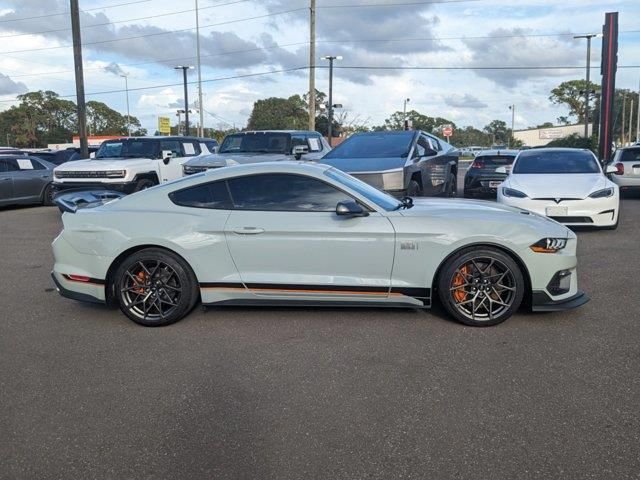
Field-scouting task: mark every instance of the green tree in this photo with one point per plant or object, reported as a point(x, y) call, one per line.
point(572, 94)
point(103, 120)
point(279, 114)
point(470, 136)
point(418, 121)
point(575, 141)
point(498, 130)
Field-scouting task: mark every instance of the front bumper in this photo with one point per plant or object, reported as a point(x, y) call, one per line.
point(124, 187)
point(588, 212)
point(541, 301)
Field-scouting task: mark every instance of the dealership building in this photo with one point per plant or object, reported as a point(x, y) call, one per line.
point(538, 137)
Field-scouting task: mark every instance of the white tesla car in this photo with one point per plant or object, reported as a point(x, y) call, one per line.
point(301, 233)
point(565, 184)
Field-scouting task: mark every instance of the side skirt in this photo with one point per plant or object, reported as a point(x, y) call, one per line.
point(259, 302)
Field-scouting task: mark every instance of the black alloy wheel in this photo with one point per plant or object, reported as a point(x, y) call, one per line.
point(155, 288)
point(414, 189)
point(481, 287)
point(144, 184)
point(47, 196)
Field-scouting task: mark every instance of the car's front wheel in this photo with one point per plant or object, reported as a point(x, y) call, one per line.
point(481, 286)
point(414, 189)
point(155, 287)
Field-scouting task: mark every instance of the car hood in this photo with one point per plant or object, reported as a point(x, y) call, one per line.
point(92, 165)
point(239, 158)
point(566, 185)
point(467, 211)
point(355, 165)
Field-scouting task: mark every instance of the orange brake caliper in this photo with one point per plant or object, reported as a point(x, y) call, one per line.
point(140, 278)
point(459, 294)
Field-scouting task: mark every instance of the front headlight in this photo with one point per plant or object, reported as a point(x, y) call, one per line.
point(116, 173)
point(510, 192)
point(604, 193)
point(549, 245)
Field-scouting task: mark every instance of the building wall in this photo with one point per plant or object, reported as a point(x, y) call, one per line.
point(538, 137)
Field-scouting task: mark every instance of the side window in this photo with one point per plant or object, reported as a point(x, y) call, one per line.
point(190, 149)
point(435, 144)
point(282, 192)
point(10, 165)
point(421, 147)
point(172, 145)
point(315, 145)
point(297, 140)
point(36, 164)
point(209, 195)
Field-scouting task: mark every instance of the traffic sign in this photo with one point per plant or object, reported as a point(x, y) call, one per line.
point(447, 130)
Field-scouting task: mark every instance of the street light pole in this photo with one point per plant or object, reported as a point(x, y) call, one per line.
point(513, 120)
point(587, 90)
point(126, 89)
point(330, 106)
point(186, 96)
point(79, 76)
point(404, 114)
point(200, 107)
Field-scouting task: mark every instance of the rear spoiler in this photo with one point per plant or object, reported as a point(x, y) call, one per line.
point(73, 201)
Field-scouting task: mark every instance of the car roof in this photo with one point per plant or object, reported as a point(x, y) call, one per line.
point(255, 132)
point(158, 137)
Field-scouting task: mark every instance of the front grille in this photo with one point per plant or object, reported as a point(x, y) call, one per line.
point(80, 174)
point(572, 219)
point(556, 200)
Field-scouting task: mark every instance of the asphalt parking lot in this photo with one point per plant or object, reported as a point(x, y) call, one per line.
point(297, 393)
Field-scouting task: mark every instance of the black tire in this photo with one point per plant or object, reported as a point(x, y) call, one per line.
point(414, 189)
point(154, 287)
point(143, 184)
point(47, 196)
point(452, 186)
point(481, 272)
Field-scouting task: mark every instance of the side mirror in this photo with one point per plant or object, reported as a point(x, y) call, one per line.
point(350, 208)
point(501, 170)
point(611, 169)
point(166, 156)
point(299, 150)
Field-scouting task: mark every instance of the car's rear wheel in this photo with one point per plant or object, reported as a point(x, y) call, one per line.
point(452, 186)
point(47, 196)
point(155, 287)
point(481, 286)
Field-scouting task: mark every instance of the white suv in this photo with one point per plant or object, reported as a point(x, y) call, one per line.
point(130, 164)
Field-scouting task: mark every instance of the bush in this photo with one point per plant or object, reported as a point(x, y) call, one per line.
point(576, 141)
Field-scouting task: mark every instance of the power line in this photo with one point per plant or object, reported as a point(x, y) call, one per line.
point(155, 34)
point(66, 12)
point(402, 4)
point(177, 12)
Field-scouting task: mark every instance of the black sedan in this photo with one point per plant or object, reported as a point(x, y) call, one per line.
point(481, 179)
point(25, 180)
point(412, 163)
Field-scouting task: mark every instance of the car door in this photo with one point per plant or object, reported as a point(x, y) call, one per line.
point(29, 179)
point(286, 240)
point(6, 182)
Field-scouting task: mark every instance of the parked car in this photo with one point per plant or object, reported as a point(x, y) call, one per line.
point(25, 180)
point(57, 157)
point(301, 233)
point(626, 162)
point(412, 163)
point(565, 184)
point(481, 179)
point(130, 164)
point(261, 146)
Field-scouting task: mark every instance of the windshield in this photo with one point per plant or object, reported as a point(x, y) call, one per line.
point(128, 149)
point(376, 196)
point(268, 142)
point(569, 161)
point(374, 145)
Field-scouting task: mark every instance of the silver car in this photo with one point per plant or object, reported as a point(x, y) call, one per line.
point(262, 146)
point(627, 164)
point(25, 180)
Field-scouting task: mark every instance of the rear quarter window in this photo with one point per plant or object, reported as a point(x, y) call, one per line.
point(209, 195)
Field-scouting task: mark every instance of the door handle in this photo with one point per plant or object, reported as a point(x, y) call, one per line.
point(248, 230)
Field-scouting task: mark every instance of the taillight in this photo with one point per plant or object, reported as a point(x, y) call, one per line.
point(477, 164)
point(78, 278)
point(620, 168)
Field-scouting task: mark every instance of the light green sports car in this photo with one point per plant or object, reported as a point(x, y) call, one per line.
point(308, 234)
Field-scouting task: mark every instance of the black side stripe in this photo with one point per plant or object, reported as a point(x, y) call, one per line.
point(408, 291)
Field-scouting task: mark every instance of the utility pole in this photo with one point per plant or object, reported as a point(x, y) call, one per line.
point(77, 61)
point(587, 90)
point(513, 119)
point(200, 107)
point(624, 115)
point(630, 120)
point(126, 89)
point(638, 117)
point(186, 96)
point(331, 58)
point(312, 65)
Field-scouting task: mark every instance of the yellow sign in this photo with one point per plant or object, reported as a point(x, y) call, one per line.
point(164, 125)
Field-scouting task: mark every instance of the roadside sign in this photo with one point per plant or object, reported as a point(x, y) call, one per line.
point(447, 130)
point(164, 125)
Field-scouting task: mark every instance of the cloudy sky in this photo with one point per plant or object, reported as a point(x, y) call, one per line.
point(434, 52)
